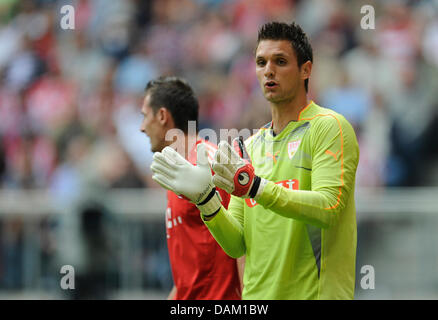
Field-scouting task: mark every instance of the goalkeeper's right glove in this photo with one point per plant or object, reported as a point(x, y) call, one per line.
point(234, 172)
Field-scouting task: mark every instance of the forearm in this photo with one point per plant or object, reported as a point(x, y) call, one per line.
point(318, 208)
point(228, 232)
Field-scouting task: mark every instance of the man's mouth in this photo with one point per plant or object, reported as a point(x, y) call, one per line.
point(271, 84)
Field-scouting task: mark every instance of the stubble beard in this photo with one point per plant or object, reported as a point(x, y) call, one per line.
point(280, 99)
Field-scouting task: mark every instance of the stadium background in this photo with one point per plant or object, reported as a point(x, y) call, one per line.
point(75, 186)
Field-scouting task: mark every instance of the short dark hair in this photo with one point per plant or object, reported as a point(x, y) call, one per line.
point(176, 95)
point(293, 33)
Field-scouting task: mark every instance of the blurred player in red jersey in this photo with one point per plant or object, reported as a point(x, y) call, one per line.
point(200, 268)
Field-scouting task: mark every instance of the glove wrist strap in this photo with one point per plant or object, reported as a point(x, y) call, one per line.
point(260, 188)
point(211, 205)
point(255, 187)
point(210, 195)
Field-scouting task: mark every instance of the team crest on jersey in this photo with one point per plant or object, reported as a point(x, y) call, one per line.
point(292, 147)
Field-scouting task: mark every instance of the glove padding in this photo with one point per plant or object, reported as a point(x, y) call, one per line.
point(233, 170)
point(176, 174)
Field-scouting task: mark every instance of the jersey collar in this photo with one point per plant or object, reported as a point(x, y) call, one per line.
point(304, 113)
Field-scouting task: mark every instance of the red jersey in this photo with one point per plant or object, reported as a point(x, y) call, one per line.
point(201, 269)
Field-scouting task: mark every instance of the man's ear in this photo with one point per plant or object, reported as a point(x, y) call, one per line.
point(163, 116)
point(306, 70)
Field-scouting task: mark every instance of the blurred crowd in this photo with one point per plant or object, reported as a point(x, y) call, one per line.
point(70, 99)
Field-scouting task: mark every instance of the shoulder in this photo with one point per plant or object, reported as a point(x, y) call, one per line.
point(327, 119)
point(328, 125)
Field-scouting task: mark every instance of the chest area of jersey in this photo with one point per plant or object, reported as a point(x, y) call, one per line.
point(284, 159)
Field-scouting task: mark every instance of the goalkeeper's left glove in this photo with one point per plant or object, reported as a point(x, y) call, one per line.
point(176, 174)
point(234, 172)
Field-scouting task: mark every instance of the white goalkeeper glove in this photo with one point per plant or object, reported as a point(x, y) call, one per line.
point(234, 172)
point(176, 174)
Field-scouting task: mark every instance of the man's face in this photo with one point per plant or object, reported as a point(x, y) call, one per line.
point(151, 126)
point(277, 70)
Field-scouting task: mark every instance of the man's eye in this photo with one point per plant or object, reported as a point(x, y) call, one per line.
point(260, 63)
point(281, 62)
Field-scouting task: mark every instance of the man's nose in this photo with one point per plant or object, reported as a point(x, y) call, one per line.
point(269, 70)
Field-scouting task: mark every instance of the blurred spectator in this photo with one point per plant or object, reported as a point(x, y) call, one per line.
point(67, 179)
point(2, 163)
point(92, 282)
point(117, 168)
point(135, 70)
point(398, 33)
point(23, 68)
point(430, 41)
point(11, 254)
point(350, 100)
point(413, 111)
point(82, 63)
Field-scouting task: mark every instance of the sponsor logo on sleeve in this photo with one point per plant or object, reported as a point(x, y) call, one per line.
point(289, 184)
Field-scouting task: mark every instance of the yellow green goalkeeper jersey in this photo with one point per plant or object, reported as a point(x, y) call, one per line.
point(299, 235)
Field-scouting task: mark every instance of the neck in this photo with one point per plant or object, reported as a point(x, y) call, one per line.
point(285, 112)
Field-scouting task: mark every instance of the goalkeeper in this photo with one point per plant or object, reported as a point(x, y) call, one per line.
point(292, 210)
